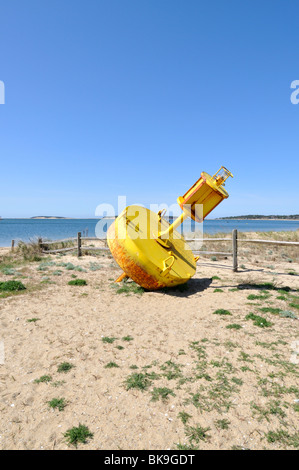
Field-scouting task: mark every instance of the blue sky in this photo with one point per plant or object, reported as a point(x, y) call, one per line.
point(137, 97)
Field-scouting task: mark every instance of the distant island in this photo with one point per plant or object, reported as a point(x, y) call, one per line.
point(48, 217)
point(262, 217)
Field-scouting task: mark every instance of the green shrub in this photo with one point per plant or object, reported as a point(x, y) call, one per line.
point(79, 434)
point(221, 311)
point(234, 326)
point(59, 403)
point(77, 282)
point(259, 321)
point(65, 367)
point(10, 286)
point(137, 380)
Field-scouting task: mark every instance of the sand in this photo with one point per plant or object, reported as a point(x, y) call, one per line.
point(213, 374)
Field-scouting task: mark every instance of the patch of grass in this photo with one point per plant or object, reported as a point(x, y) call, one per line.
point(283, 437)
point(65, 367)
point(230, 345)
point(111, 365)
point(43, 379)
point(107, 339)
point(57, 273)
point(216, 278)
point(138, 380)
point(33, 320)
point(257, 297)
point(8, 271)
point(171, 370)
point(234, 326)
point(180, 446)
point(199, 349)
point(218, 290)
point(184, 417)
point(30, 251)
point(95, 266)
point(161, 393)
point(282, 297)
point(222, 423)
point(58, 383)
point(221, 311)
point(197, 433)
point(288, 314)
point(130, 288)
point(127, 338)
point(274, 311)
point(77, 435)
point(237, 381)
point(274, 389)
point(71, 267)
point(258, 321)
point(272, 408)
point(11, 286)
point(77, 282)
point(59, 403)
point(244, 357)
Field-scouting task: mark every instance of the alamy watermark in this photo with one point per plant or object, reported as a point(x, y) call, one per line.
point(295, 95)
point(2, 93)
point(133, 218)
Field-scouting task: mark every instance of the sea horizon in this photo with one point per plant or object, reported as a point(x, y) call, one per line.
point(26, 229)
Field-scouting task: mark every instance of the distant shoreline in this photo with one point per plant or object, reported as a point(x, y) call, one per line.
point(49, 217)
point(238, 218)
point(258, 218)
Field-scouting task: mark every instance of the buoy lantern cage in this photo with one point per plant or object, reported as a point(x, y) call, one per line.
point(151, 251)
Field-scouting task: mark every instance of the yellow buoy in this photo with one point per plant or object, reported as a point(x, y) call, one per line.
point(149, 250)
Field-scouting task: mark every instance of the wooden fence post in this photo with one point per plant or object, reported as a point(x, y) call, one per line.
point(79, 244)
point(40, 242)
point(235, 249)
point(12, 245)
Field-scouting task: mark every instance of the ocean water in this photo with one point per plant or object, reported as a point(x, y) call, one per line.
point(55, 229)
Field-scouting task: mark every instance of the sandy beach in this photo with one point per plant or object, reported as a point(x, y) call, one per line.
point(150, 370)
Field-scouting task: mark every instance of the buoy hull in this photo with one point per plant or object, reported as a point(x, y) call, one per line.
point(132, 240)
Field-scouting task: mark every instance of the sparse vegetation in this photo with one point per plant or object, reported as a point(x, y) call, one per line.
point(107, 339)
point(137, 380)
point(221, 311)
point(77, 282)
point(214, 369)
point(77, 435)
point(58, 403)
point(129, 287)
point(111, 365)
point(234, 326)
point(11, 286)
point(258, 320)
point(43, 379)
point(65, 367)
point(161, 393)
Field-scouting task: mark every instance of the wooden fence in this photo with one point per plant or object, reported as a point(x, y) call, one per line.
point(233, 241)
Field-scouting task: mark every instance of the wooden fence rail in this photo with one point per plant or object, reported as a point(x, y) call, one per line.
point(233, 240)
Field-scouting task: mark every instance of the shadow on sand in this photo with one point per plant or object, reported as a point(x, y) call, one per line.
point(193, 286)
